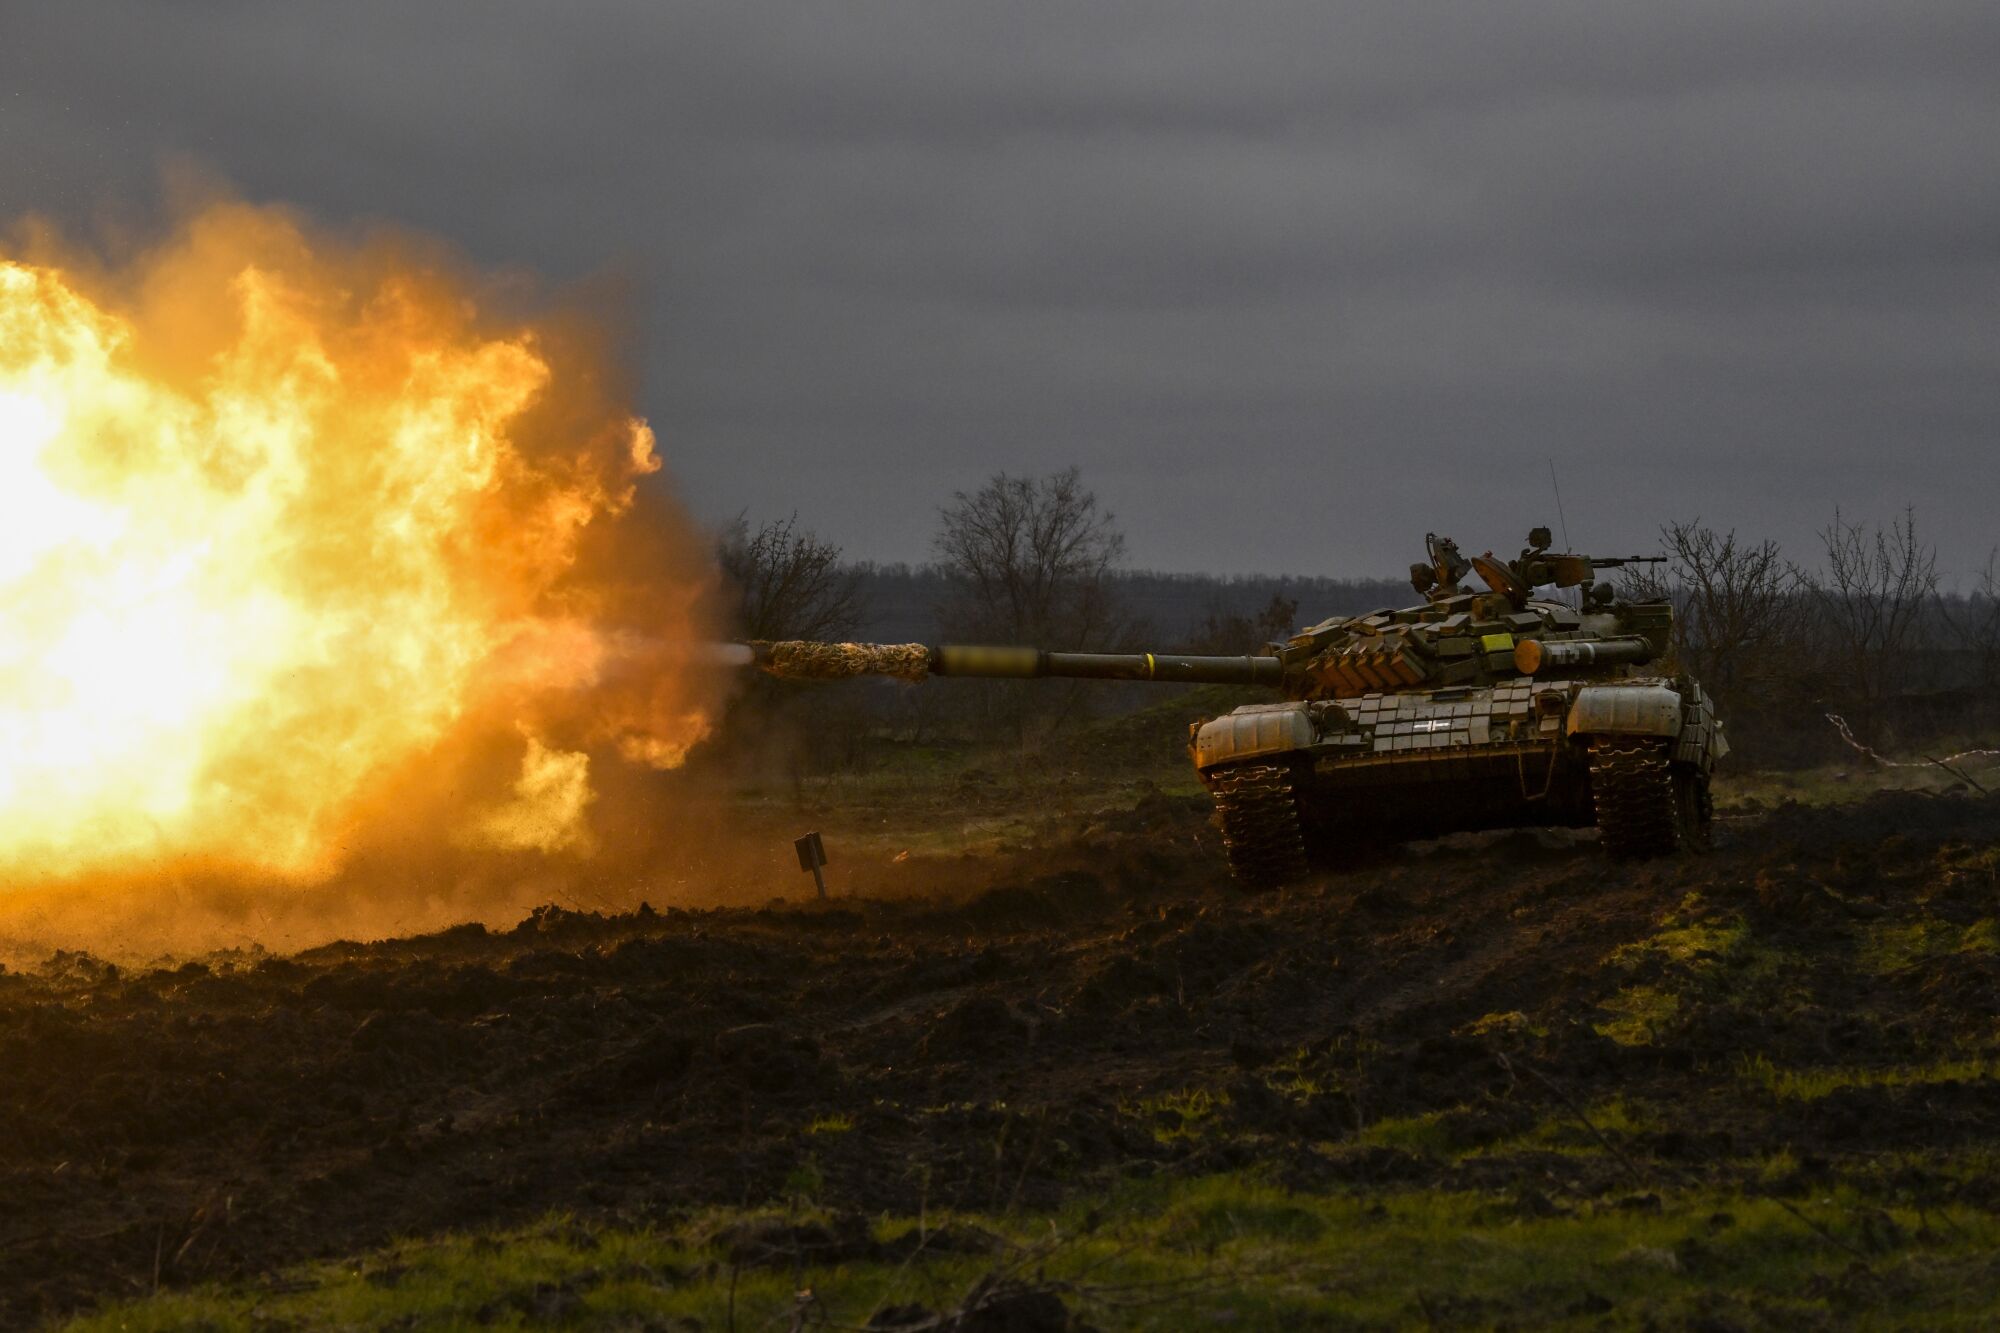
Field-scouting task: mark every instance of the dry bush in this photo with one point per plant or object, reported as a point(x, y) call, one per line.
point(1973, 623)
point(1874, 600)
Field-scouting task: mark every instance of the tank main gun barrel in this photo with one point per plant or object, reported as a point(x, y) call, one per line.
point(1536, 655)
point(1021, 663)
point(796, 659)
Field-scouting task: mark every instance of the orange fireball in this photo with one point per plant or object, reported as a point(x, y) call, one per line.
point(276, 519)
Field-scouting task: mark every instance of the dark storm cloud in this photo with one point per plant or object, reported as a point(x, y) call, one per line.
point(1293, 282)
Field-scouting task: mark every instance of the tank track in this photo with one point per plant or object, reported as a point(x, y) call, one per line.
point(1258, 809)
point(1632, 785)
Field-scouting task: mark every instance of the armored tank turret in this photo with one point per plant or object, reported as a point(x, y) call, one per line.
point(1501, 706)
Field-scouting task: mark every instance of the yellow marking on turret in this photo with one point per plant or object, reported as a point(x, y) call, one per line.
point(1149, 666)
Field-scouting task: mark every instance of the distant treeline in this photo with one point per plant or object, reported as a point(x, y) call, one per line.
point(1860, 630)
point(901, 603)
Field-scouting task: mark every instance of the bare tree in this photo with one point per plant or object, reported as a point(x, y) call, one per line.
point(1974, 622)
point(789, 584)
point(1879, 584)
point(1029, 559)
point(1741, 607)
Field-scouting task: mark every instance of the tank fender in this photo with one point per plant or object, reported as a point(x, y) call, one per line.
point(1250, 731)
point(1703, 740)
point(1625, 710)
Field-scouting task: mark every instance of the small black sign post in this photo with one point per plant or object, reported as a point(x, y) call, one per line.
point(812, 855)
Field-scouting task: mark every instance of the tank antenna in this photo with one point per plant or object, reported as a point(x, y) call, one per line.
point(1560, 519)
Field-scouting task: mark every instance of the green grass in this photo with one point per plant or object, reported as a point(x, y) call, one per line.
point(1814, 1083)
point(1697, 953)
point(1511, 1023)
point(1639, 1015)
point(1615, 1117)
point(1426, 1135)
point(1227, 1250)
point(1826, 784)
point(1434, 1133)
point(1887, 948)
point(954, 804)
point(1690, 938)
point(1186, 1113)
point(951, 800)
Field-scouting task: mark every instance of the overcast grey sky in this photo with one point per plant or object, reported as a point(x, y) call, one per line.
point(1293, 282)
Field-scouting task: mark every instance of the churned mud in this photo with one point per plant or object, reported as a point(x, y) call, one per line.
point(1814, 1002)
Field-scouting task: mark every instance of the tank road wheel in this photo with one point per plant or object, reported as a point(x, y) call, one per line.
point(1257, 806)
point(1632, 785)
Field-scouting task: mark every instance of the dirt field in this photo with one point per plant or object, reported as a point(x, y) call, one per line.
point(1812, 1006)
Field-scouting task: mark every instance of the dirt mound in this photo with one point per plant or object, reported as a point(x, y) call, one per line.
point(1818, 993)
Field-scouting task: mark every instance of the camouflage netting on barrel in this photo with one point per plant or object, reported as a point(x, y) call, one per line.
point(796, 659)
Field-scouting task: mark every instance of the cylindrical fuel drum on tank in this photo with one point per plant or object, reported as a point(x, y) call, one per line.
point(1533, 656)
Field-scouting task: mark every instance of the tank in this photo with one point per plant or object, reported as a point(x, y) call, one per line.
point(1536, 699)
